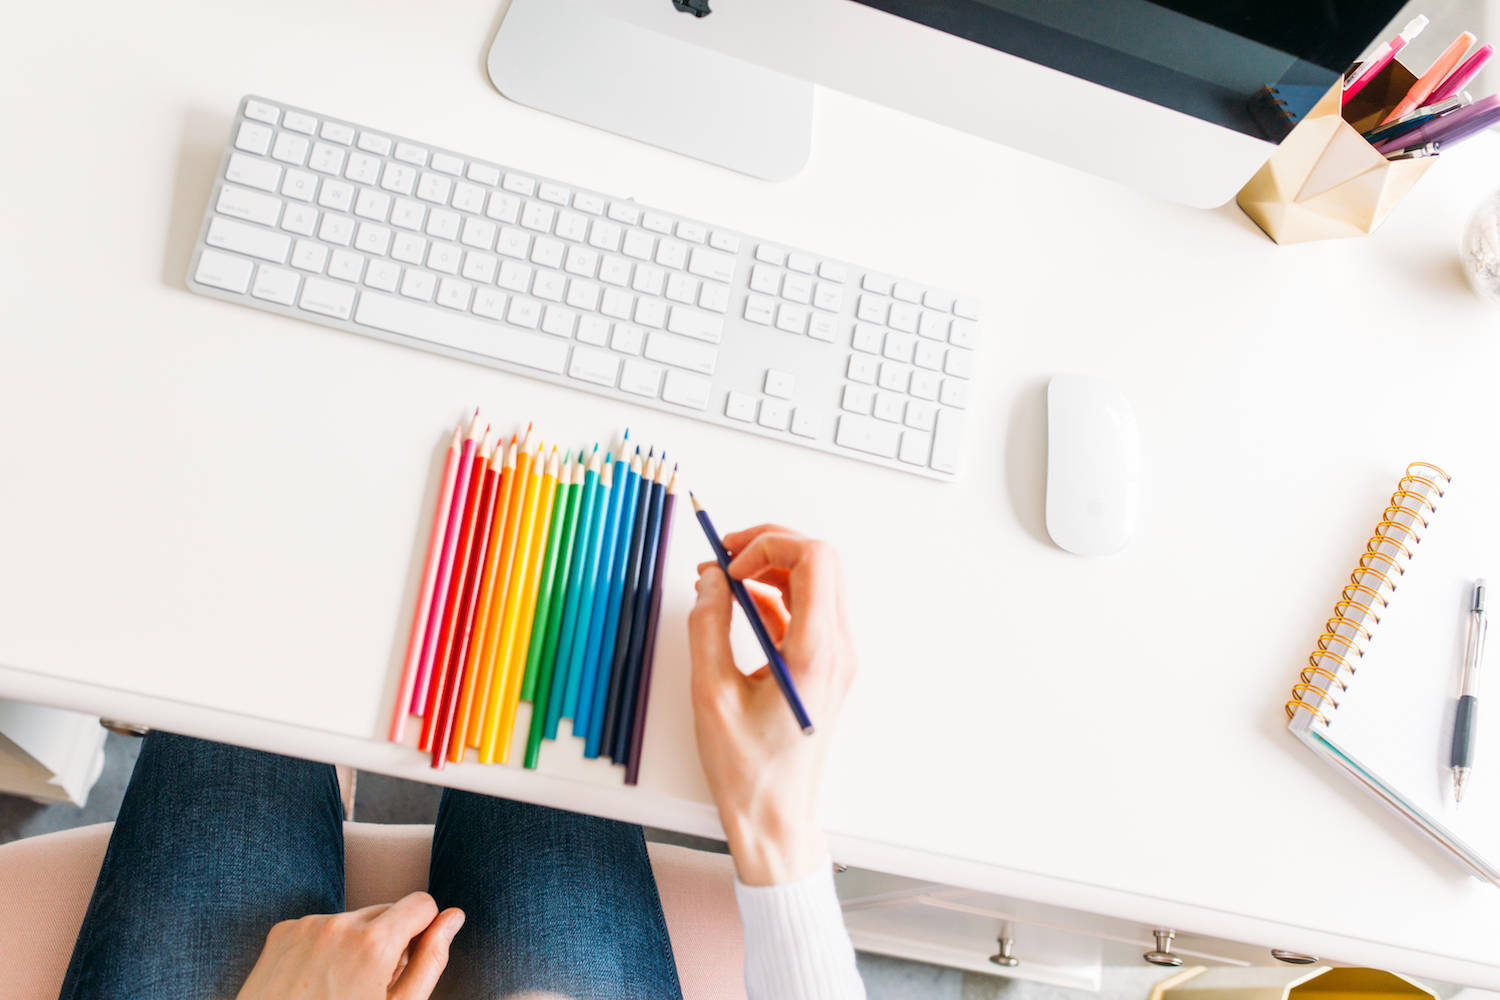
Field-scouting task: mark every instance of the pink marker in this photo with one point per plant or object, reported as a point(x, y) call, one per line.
point(1381, 57)
point(418, 637)
point(445, 566)
point(1460, 77)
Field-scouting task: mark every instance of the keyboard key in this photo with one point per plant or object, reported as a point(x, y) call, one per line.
point(468, 198)
point(345, 265)
point(616, 303)
point(336, 195)
point(383, 274)
point(833, 272)
point(549, 285)
point(797, 288)
point(915, 447)
point(398, 177)
point(638, 245)
point(444, 257)
point(946, 441)
point(456, 330)
point(519, 184)
point(373, 239)
point(535, 215)
point(624, 211)
point(582, 262)
point(894, 377)
point(524, 312)
point(547, 252)
point(513, 243)
point(407, 153)
point(572, 225)
point(593, 330)
point(262, 112)
point(792, 319)
point(275, 284)
point(559, 321)
point(252, 241)
point(627, 339)
point(962, 334)
point(775, 414)
point(657, 223)
point(941, 301)
point(643, 379)
point(692, 232)
point(760, 310)
point(766, 280)
point(801, 262)
point(617, 270)
point(598, 367)
point(222, 270)
point(298, 122)
point(872, 309)
point(372, 143)
point(904, 317)
point(408, 214)
point(698, 325)
point(714, 298)
point(434, 187)
point(326, 158)
point(670, 253)
point(584, 295)
point(828, 297)
point(889, 406)
point(590, 203)
point(479, 267)
point(651, 312)
point(408, 249)
point(739, 406)
point(870, 436)
point(513, 276)
point(967, 308)
point(687, 390)
point(907, 292)
point(254, 173)
point(924, 385)
point(900, 346)
point(483, 173)
point(605, 235)
point(334, 132)
point(868, 338)
point(858, 398)
point(960, 364)
point(804, 424)
point(290, 148)
point(933, 326)
point(920, 415)
point(862, 368)
point(448, 163)
point(299, 184)
point(443, 224)
point(326, 298)
point(779, 384)
point(713, 266)
point(253, 137)
point(479, 234)
point(555, 193)
point(954, 393)
point(770, 255)
point(682, 288)
point(875, 283)
point(336, 229)
point(728, 242)
point(503, 207)
point(680, 353)
point(418, 285)
point(251, 206)
point(930, 355)
point(822, 327)
point(490, 303)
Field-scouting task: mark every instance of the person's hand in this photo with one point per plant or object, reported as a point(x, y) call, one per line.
point(765, 775)
point(393, 951)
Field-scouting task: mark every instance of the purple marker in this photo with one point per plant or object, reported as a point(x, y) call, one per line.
point(1448, 129)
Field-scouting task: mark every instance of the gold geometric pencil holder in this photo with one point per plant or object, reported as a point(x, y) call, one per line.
point(1325, 181)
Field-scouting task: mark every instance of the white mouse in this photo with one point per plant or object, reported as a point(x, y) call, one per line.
point(1093, 466)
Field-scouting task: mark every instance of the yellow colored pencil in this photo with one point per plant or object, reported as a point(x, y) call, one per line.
point(473, 684)
point(520, 636)
point(502, 548)
point(529, 465)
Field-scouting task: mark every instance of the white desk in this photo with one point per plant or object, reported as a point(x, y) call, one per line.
point(210, 518)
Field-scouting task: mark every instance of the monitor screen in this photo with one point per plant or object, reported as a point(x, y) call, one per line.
point(1206, 58)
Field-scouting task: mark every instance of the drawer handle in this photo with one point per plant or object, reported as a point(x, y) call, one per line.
point(1162, 955)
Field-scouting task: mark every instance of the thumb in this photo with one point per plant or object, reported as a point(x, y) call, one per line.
point(708, 629)
point(429, 957)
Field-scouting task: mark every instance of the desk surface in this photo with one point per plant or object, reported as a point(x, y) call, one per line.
point(210, 517)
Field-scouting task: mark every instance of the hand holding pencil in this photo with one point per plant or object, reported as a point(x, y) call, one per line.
point(764, 773)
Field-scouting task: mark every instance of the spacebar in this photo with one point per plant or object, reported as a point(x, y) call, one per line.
point(452, 329)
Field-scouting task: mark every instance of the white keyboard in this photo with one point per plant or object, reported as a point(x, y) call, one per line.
point(321, 219)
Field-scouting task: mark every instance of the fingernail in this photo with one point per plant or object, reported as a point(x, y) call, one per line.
point(457, 923)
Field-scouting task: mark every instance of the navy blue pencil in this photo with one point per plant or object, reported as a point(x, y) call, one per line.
point(648, 583)
point(773, 655)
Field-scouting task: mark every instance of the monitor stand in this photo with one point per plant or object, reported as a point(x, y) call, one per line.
point(559, 56)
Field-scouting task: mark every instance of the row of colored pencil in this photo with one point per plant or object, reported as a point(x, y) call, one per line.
point(542, 584)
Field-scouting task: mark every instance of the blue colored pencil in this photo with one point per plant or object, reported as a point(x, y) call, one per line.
point(628, 602)
point(587, 584)
point(773, 655)
point(601, 597)
point(616, 598)
point(562, 678)
point(630, 682)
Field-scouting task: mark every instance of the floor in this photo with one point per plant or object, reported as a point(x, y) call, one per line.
point(380, 799)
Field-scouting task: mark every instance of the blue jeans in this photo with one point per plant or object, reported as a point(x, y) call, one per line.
point(214, 844)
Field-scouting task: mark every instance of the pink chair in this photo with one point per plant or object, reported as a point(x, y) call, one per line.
point(45, 884)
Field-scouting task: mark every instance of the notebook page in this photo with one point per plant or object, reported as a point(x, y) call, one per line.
point(1396, 719)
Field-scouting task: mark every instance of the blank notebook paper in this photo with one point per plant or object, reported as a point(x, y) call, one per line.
point(1378, 694)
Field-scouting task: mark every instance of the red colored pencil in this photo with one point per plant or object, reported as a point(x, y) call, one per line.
point(424, 597)
point(419, 694)
point(444, 656)
point(453, 686)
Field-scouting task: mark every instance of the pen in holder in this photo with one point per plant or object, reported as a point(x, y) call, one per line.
point(1325, 181)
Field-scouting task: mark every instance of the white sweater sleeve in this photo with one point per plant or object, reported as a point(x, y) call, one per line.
point(796, 946)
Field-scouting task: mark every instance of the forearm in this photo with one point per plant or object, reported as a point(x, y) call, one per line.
point(796, 945)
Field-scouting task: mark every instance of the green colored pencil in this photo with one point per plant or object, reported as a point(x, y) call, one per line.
point(547, 667)
point(576, 603)
point(544, 584)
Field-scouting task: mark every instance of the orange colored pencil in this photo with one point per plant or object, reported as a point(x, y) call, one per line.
point(473, 683)
point(519, 640)
point(504, 570)
point(528, 491)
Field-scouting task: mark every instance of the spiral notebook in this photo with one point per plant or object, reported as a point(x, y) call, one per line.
point(1378, 694)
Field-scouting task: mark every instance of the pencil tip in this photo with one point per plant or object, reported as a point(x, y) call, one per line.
point(596, 446)
point(627, 434)
point(651, 451)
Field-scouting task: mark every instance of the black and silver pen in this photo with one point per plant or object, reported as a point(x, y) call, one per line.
point(1467, 716)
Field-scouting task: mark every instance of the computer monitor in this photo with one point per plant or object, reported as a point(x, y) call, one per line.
point(1155, 95)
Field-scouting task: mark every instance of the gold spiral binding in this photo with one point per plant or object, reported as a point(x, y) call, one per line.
point(1380, 567)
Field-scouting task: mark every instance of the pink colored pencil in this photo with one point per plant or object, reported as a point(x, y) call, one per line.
point(445, 567)
point(424, 598)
